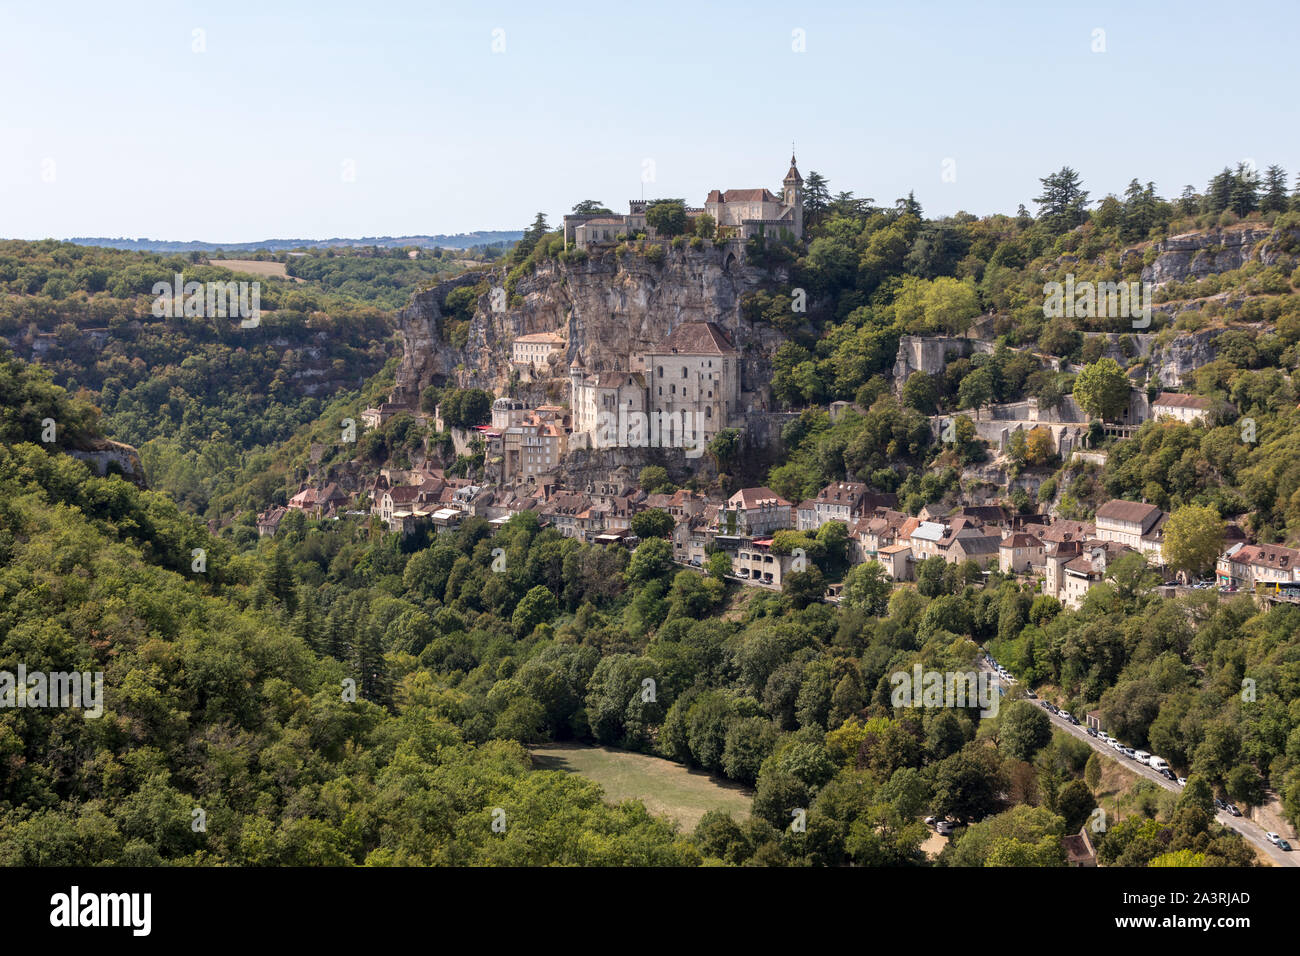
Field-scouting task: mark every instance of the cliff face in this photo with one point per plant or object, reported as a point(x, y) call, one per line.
point(606, 308)
point(1196, 255)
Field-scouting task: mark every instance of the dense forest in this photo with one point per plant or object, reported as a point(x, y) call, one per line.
point(227, 692)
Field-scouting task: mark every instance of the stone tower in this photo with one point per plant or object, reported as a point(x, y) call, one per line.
point(793, 188)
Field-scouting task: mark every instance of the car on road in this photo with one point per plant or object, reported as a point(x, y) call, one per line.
point(943, 828)
point(1141, 756)
point(1220, 804)
point(1129, 752)
point(1272, 837)
point(1232, 808)
point(1092, 732)
point(1031, 695)
point(1181, 781)
point(1071, 718)
point(931, 821)
point(1168, 774)
point(1283, 845)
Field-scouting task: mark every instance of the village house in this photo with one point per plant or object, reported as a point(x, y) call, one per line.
point(756, 563)
point(755, 512)
point(268, 522)
point(529, 353)
point(1243, 566)
point(1184, 408)
point(1137, 525)
point(897, 561)
point(1020, 553)
point(1085, 570)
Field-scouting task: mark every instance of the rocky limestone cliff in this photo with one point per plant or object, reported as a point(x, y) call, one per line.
point(112, 457)
point(1199, 254)
point(606, 307)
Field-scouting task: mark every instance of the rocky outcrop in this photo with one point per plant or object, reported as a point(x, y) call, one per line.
point(112, 457)
point(1199, 254)
point(607, 307)
point(1182, 355)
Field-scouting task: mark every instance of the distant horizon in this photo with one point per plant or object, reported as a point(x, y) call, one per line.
point(334, 120)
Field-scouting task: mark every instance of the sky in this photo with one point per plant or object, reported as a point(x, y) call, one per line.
point(237, 121)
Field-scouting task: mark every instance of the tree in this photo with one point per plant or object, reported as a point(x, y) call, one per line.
point(1023, 730)
point(976, 389)
point(653, 479)
point(816, 197)
point(1244, 197)
point(591, 207)
point(866, 587)
point(706, 227)
point(1075, 802)
point(1102, 389)
point(803, 587)
point(667, 217)
point(652, 523)
point(717, 565)
point(538, 606)
point(652, 559)
point(1274, 198)
point(920, 392)
point(1194, 536)
point(1063, 204)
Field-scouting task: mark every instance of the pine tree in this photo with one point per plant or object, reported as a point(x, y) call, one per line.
point(1245, 190)
point(304, 624)
point(279, 579)
point(373, 681)
point(1219, 194)
point(816, 197)
point(1275, 197)
point(1064, 201)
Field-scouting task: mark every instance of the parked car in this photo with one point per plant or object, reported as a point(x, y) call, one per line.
point(930, 821)
point(1031, 695)
point(1283, 845)
point(1141, 756)
point(1232, 808)
point(1273, 838)
point(1092, 731)
point(1159, 764)
point(1181, 781)
point(1220, 804)
point(1072, 719)
point(943, 828)
point(1168, 774)
point(1129, 752)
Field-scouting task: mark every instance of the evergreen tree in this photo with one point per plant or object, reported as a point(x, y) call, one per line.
point(373, 681)
point(279, 579)
point(1274, 198)
point(1219, 195)
point(1063, 202)
point(1245, 190)
point(816, 197)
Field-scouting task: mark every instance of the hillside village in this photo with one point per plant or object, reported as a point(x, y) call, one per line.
point(669, 401)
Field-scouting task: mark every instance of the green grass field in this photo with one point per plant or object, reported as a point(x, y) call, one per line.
point(666, 788)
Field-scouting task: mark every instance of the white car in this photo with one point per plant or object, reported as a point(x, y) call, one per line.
point(943, 828)
point(1141, 756)
point(1273, 838)
point(1182, 781)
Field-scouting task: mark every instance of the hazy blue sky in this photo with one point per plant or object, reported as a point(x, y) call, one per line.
point(112, 125)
